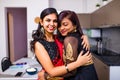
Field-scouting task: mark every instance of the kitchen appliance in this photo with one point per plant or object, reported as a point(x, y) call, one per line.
point(94, 33)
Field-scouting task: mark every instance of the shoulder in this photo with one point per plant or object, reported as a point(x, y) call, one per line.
point(38, 45)
point(70, 39)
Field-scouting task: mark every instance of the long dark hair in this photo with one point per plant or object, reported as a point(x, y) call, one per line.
point(72, 16)
point(38, 34)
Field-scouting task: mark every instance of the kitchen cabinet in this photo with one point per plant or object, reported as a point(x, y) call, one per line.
point(101, 69)
point(90, 6)
point(106, 16)
point(107, 67)
point(99, 18)
point(113, 11)
point(85, 20)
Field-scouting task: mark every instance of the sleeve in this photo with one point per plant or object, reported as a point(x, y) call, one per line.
point(70, 52)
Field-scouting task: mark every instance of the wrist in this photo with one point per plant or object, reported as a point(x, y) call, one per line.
point(46, 76)
point(77, 64)
point(66, 67)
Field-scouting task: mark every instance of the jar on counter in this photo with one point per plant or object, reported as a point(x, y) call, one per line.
point(99, 47)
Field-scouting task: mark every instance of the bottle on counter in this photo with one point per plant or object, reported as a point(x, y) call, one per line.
point(99, 47)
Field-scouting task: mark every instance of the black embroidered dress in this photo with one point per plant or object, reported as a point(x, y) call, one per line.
point(86, 72)
point(53, 52)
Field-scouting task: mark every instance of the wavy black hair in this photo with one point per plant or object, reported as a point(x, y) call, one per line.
point(38, 34)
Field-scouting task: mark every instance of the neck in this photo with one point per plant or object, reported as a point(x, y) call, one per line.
point(49, 37)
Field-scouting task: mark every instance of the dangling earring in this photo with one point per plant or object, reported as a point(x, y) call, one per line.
point(42, 29)
point(75, 30)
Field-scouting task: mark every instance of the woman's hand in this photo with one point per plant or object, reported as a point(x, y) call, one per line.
point(84, 59)
point(41, 75)
point(44, 76)
point(85, 42)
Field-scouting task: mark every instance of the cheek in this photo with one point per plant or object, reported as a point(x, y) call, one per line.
point(56, 25)
point(58, 29)
point(71, 28)
point(44, 25)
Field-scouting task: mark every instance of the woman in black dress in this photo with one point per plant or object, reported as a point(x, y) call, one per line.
point(70, 32)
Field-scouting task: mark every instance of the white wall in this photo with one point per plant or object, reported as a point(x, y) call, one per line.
point(79, 6)
point(34, 7)
point(76, 5)
point(91, 6)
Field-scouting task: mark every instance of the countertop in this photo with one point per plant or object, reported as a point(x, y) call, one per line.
point(10, 73)
point(108, 57)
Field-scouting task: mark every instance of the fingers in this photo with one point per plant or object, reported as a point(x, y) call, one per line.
point(81, 53)
point(43, 70)
point(84, 59)
point(90, 57)
point(83, 36)
point(87, 53)
point(85, 42)
point(41, 75)
point(85, 45)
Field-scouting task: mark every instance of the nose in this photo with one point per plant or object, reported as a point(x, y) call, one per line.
point(51, 23)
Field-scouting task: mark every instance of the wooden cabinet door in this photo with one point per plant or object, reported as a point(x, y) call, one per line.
point(101, 69)
point(85, 20)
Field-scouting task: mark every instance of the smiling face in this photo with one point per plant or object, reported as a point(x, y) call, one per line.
point(49, 23)
point(66, 27)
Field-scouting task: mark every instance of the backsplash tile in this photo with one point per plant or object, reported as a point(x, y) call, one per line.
point(111, 39)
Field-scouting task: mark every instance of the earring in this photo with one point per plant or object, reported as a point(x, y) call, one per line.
point(42, 29)
point(75, 30)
